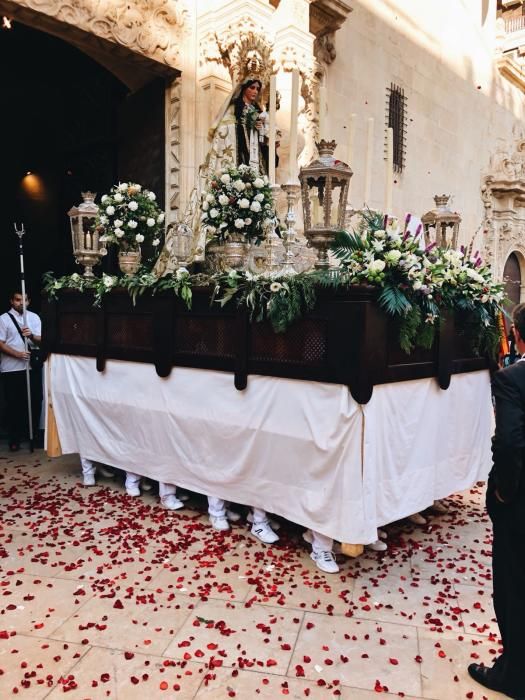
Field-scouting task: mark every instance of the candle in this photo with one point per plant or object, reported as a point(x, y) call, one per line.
point(271, 129)
point(389, 174)
point(368, 160)
point(351, 131)
point(294, 108)
point(88, 241)
point(322, 112)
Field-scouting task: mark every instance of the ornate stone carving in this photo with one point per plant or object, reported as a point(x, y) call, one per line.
point(503, 196)
point(326, 17)
point(152, 28)
point(173, 151)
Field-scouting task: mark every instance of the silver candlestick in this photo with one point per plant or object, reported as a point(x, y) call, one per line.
point(292, 194)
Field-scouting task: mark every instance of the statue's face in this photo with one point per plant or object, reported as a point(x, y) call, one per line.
point(251, 93)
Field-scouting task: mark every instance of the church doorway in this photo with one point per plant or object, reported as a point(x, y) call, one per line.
point(512, 277)
point(68, 125)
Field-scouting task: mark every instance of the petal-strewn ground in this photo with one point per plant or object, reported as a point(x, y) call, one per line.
point(106, 596)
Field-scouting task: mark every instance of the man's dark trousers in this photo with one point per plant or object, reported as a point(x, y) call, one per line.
point(508, 570)
point(15, 393)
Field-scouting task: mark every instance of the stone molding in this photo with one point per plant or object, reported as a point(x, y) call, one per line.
point(173, 165)
point(151, 28)
point(326, 17)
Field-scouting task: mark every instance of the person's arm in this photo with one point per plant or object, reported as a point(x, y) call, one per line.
point(8, 350)
point(508, 443)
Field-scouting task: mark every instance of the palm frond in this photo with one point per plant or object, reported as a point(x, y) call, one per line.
point(393, 301)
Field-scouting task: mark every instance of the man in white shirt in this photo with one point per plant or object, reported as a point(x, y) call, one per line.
point(13, 363)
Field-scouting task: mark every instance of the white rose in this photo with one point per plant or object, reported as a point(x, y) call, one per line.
point(255, 206)
point(258, 182)
point(210, 198)
point(103, 219)
point(378, 246)
point(155, 242)
point(110, 210)
point(132, 224)
point(244, 203)
point(265, 179)
point(151, 196)
point(133, 206)
point(225, 179)
point(380, 233)
point(239, 185)
point(119, 232)
point(239, 223)
point(259, 197)
point(275, 286)
point(417, 285)
point(181, 272)
point(247, 221)
point(108, 280)
point(103, 251)
point(104, 198)
point(205, 206)
point(160, 217)
point(393, 256)
point(136, 187)
point(139, 238)
point(150, 222)
point(484, 298)
point(214, 213)
point(118, 223)
point(223, 200)
point(118, 197)
point(377, 266)
point(123, 186)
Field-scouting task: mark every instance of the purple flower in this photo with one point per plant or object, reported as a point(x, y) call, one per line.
point(418, 230)
point(429, 247)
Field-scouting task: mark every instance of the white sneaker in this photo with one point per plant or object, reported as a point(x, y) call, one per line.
point(233, 516)
point(133, 491)
point(325, 561)
point(264, 532)
point(146, 485)
point(382, 534)
point(439, 507)
point(417, 519)
point(105, 471)
point(183, 496)
point(273, 523)
point(219, 522)
point(377, 546)
point(89, 480)
point(171, 502)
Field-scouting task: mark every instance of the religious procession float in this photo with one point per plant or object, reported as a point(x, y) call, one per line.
point(337, 375)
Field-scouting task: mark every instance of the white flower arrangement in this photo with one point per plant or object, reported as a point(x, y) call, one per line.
point(130, 216)
point(238, 202)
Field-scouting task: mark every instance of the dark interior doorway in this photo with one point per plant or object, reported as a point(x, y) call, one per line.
point(512, 278)
point(68, 124)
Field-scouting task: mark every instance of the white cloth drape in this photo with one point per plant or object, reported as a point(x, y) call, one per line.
point(304, 450)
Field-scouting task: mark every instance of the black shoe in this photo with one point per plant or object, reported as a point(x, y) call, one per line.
point(14, 446)
point(489, 678)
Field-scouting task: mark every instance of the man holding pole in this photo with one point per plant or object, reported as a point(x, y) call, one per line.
point(14, 363)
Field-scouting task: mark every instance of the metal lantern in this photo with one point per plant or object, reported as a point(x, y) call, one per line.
point(441, 225)
point(87, 248)
point(324, 187)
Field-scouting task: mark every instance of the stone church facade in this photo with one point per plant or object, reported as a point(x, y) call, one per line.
point(458, 67)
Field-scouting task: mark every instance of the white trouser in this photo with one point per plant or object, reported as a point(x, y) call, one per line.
point(217, 508)
point(88, 468)
point(167, 489)
point(132, 480)
point(321, 543)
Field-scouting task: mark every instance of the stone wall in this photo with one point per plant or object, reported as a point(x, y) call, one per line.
point(460, 108)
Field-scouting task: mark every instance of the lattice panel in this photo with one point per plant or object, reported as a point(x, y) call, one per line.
point(304, 343)
point(129, 332)
point(206, 336)
point(77, 328)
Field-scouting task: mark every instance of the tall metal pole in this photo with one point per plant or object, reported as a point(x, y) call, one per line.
point(20, 233)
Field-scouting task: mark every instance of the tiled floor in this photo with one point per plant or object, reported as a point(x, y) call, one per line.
point(105, 596)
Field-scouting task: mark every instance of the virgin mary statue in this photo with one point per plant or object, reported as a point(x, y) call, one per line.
point(239, 135)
